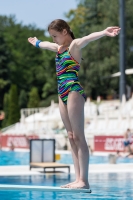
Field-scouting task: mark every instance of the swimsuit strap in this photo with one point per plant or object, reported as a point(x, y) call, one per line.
point(67, 49)
point(59, 49)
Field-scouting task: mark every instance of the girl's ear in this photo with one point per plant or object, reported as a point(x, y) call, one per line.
point(64, 32)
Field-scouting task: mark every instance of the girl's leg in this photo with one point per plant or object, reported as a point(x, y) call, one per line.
point(66, 121)
point(75, 107)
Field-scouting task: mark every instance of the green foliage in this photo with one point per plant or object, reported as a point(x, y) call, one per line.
point(23, 64)
point(129, 39)
point(50, 86)
point(14, 112)
point(33, 98)
point(47, 102)
point(6, 110)
point(23, 99)
point(3, 83)
point(101, 57)
point(4, 71)
point(76, 19)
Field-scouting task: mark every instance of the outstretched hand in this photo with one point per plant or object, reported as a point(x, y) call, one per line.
point(32, 40)
point(112, 31)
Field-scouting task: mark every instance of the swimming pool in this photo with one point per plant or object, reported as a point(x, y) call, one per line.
point(107, 186)
point(22, 158)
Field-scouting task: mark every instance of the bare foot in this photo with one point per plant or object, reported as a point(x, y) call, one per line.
point(69, 184)
point(81, 185)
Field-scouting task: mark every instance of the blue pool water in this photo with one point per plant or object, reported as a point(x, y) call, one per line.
point(111, 186)
point(22, 158)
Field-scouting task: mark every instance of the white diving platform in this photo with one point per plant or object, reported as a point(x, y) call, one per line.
point(42, 188)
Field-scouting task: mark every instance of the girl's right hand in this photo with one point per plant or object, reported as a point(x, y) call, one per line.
point(32, 40)
point(112, 31)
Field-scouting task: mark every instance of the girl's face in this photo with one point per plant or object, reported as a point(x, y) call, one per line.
point(58, 37)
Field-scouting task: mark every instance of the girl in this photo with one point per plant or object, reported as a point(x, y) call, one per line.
point(71, 94)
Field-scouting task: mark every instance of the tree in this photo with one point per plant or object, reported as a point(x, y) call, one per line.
point(27, 66)
point(33, 98)
point(23, 99)
point(129, 40)
point(101, 57)
point(4, 71)
point(6, 110)
point(76, 17)
point(14, 111)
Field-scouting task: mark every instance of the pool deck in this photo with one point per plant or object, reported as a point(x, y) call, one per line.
point(93, 168)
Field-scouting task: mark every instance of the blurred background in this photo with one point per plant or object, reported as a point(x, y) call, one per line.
point(28, 87)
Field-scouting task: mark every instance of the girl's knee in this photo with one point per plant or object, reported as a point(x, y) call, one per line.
point(78, 139)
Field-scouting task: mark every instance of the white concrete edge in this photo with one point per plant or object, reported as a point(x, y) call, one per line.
point(99, 168)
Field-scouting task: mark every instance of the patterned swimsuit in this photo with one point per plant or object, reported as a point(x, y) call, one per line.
point(67, 75)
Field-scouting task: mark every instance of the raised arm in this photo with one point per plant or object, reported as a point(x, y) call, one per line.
point(110, 31)
point(44, 45)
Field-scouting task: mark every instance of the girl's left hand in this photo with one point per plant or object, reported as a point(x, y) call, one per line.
point(32, 40)
point(112, 31)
